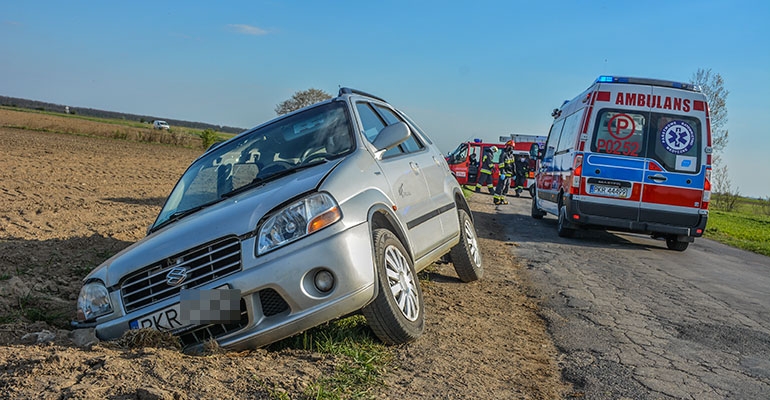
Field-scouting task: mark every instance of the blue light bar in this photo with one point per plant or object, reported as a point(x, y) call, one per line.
point(476, 140)
point(647, 81)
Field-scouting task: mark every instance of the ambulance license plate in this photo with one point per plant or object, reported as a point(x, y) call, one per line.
point(609, 191)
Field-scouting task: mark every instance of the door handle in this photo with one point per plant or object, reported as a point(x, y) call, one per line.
point(415, 167)
point(658, 178)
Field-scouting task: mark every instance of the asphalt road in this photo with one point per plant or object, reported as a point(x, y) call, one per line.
point(638, 321)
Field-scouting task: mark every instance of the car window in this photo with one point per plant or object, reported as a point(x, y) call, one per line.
point(570, 132)
point(459, 155)
point(411, 144)
point(371, 122)
point(553, 139)
point(674, 142)
point(415, 127)
point(620, 132)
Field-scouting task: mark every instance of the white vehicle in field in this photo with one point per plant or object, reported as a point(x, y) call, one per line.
point(157, 124)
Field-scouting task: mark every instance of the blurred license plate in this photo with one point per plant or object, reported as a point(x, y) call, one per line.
point(610, 191)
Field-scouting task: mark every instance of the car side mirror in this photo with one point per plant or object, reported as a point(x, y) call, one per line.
point(391, 136)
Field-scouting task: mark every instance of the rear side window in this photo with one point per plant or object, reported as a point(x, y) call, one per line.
point(570, 132)
point(672, 140)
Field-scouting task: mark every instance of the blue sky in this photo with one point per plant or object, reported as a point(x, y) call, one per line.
point(460, 69)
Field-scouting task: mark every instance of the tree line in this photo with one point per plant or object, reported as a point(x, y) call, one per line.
point(90, 112)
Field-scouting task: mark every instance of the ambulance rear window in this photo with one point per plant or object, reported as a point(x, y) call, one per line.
point(676, 143)
point(672, 140)
point(620, 132)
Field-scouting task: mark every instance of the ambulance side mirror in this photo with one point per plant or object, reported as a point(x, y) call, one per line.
point(535, 152)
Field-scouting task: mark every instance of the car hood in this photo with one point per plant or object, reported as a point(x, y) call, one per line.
point(235, 216)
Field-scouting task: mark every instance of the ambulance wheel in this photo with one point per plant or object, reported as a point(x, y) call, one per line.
point(531, 190)
point(466, 255)
point(536, 212)
point(563, 227)
point(397, 314)
point(673, 244)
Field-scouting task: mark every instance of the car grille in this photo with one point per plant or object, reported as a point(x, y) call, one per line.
point(204, 264)
point(272, 302)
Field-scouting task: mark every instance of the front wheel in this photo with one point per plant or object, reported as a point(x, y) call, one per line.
point(397, 314)
point(466, 255)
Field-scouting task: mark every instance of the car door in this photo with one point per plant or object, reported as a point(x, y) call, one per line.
point(409, 189)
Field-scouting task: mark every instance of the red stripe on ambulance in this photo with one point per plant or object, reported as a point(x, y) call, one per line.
point(671, 196)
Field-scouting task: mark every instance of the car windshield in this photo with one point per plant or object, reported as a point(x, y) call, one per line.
point(266, 153)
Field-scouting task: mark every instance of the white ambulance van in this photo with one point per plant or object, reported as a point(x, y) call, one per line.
point(629, 154)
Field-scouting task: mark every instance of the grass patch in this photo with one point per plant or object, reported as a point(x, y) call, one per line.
point(364, 358)
point(747, 231)
point(33, 308)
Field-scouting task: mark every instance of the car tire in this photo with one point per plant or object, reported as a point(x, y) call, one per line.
point(563, 227)
point(536, 212)
point(397, 314)
point(673, 244)
point(466, 255)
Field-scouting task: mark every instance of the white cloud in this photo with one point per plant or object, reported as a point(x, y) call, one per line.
point(247, 29)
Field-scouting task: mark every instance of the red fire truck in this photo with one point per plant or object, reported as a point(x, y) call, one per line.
point(464, 160)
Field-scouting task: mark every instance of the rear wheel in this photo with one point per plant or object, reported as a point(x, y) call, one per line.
point(397, 313)
point(466, 255)
point(673, 244)
point(564, 228)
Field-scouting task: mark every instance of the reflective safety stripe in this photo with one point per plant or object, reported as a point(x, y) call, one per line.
point(485, 171)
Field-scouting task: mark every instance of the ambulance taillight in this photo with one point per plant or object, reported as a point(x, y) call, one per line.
point(577, 172)
point(706, 191)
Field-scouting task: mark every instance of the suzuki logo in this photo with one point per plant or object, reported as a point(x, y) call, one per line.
point(176, 276)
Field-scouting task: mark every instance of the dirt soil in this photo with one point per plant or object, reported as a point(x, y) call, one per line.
point(68, 202)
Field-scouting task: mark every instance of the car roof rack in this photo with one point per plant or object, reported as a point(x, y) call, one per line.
point(347, 90)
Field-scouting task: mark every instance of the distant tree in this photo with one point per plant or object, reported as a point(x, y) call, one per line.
point(300, 99)
point(713, 87)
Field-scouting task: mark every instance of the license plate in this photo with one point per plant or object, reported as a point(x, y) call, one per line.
point(196, 307)
point(609, 191)
point(167, 319)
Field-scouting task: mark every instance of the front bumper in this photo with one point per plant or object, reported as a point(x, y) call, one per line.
point(278, 296)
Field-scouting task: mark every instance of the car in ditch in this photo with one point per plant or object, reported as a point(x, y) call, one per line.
point(324, 212)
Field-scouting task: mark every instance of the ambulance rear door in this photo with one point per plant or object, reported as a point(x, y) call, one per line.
point(675, 167)
point(613, 169)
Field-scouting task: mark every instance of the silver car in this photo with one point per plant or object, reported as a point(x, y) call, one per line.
point(317, 214)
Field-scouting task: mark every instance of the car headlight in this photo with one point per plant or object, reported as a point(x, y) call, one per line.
point(298, 220)
point(94, 301)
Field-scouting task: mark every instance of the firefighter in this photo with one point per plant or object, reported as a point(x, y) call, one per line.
point(522, 169)
point(506, 170)
point(485, 169)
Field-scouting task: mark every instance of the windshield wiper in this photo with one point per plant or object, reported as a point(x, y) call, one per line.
point(176, 216)
point(261, 181)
